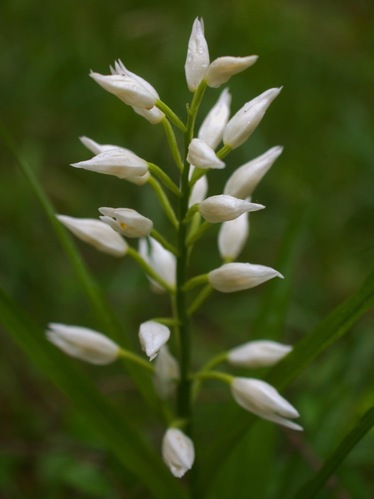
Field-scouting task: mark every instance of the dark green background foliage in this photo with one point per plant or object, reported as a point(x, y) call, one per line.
point(317, 228)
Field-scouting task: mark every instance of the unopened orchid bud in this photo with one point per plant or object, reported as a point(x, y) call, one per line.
point(245, 121)
point(238, 276)
point(211, 130)
point(260, 353)
point(161, 260)
point(121, 163)
point(223, 207)
point(153, 115)
point(221, 69)
point(127, 222)
point(83, 343)
point(232, 237)
point(198, 191)
point(197, 61)
point(202, 156)
point(152, 336)
point(245, 179)
point(129, 90)
point(166, 373)
point(96, 233)
point(262, 399)
point(178, 452)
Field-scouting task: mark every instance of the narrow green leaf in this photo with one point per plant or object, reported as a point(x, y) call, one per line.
point(331, 329)
point(313, 486)
point(110, 325)
point(116, 430)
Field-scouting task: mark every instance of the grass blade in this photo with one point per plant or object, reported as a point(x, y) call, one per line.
point(313, 486)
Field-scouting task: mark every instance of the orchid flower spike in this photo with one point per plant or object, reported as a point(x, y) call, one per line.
point(96, 233)
point(197, 61)
point(262, 399)
point(236, 276)
point(83, 343)
point(178, 452)
point(126, 221)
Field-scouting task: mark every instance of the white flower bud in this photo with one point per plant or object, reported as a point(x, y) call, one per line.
point(83, 343)
point(221, 69)
point(245, 179)
point(223, 207)
point(202, 156)
point(260, 353)
point(152, 336)
point(166, 373)
point(245, 121)
point(128, 89)
point(126, 221)
point(178, 452)
point(161, 260)
point(153, 115)
point(96, 233)
point(198, 191)
point(262, 399)
point(121, 163)
point(237, 276)
point(233, 236)
point(97, 148)
point(197, 61)
point(211, 130)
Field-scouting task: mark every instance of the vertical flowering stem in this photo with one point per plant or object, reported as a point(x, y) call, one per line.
point(184, 390)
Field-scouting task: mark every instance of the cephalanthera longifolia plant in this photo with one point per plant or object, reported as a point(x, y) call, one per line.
point(167, 341)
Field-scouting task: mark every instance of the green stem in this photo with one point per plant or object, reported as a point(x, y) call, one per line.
point(199, 300)
point(170, 135)
point(170, 115)
point(195, 281)
point(156, 235)
point(214, 362)
point(165, 203)
point(219, 376)
point(149, 270)
point(166, 321)
point(136, 359)
point(165, 179)
point(224, 151)
point(184, 386)
point(195, 236)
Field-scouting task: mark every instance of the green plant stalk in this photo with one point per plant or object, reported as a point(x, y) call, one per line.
point(156, 235)
point(172, 141)
point(170, 115)
point(184, 387)
point(165, 203)
point(165, 179)
point(136, 359)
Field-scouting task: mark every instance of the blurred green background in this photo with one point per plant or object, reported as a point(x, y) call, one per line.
point(320, 191)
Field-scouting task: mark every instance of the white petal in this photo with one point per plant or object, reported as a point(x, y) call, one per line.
point(211, 130)
point(233, 236)
point(166, 373)
point(222, 208)
point(126, 221)
point(153, 336)
point(83, 343)
point(178, 452)
point(221, 69)
point(96, 233)
point(245, 121)
point(202, 156)
point(197, 61)
point(260, 353)
point(236, 276)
